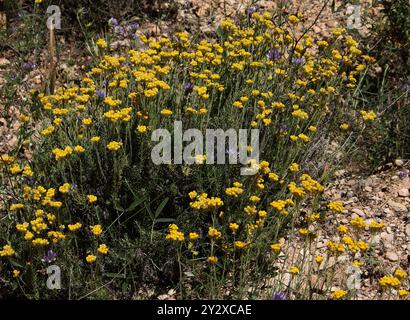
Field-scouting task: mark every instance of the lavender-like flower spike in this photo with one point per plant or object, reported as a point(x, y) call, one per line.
point(279, 296)
point(251, 10)
point(273, 54)
point(299, 60)
point(189, 87)
point(113, 22)
point(50, 257)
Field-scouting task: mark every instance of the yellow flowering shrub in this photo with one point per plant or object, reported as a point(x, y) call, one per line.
point(92, 196)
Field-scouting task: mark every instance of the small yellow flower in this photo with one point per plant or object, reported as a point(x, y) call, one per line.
point(214, 233)
point(166, 112)
point(338, 294)
point(193, 236)
point(276, 247)
point(103, 249)
point(344, 126)
point(101, 43)
point(79, 149)
point(233, 227)
point(95, 139)
point(294, 167)
point(403, 293)
point(293, 19)
point(319, 259)
point(142, 129)
point(294, 270)
point(400, 273)
point(16, 273)
point(87, 121)
point(114, 145)
point(212, 259)
point(356, 264)
point(192, 195)
point(342, 229)
point(74, 227)
point(389, 281)
point(336, 206)
point(240, 244)
point(91, 258)
point(96, 230)
point(7, 251)
point(91, 198)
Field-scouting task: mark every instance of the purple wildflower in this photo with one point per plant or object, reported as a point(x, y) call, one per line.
point(279, 296)
point(28, 65)
point(406, 86)
point(101, 93)
point(189, 87)
point(403, 175)
point(120, 30)
point(49, 257)
point(299, 60)
point(273, 54)
point(251, 10)
point(132, 27)
point(113, 22)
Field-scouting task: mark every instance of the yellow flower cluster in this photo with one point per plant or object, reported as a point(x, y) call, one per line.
point(174, 234)
point(203, 202)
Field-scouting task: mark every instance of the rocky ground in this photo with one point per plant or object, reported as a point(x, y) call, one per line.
point(383, 196)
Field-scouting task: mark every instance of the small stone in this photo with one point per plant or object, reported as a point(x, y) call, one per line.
point(392, 256)
point(368, 189)
point(375, 240)
point(340, 173)
point(386, 237)
point(404, 192)
point(408, 230)
point(359, 212)
point(4, 62)
point(397, 206)
point(399, 162)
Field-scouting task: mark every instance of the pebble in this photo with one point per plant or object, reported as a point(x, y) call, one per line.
point(359, 212)
point(404, 192)
point(387, 238)
point(408, 230)
point(392, 256)
point(397, 206)
point(398, 162)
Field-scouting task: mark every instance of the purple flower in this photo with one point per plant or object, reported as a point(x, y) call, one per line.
point(279, 296)
point(403, 175)
point(28, 65)
point(273, 54)
point(113, 22)
point(132, 27)
point(120, 30)
point(189, 87)
point(299, 60)
point(406, 86)
point(251, 10)
point(50, 257)
point(101, 93)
